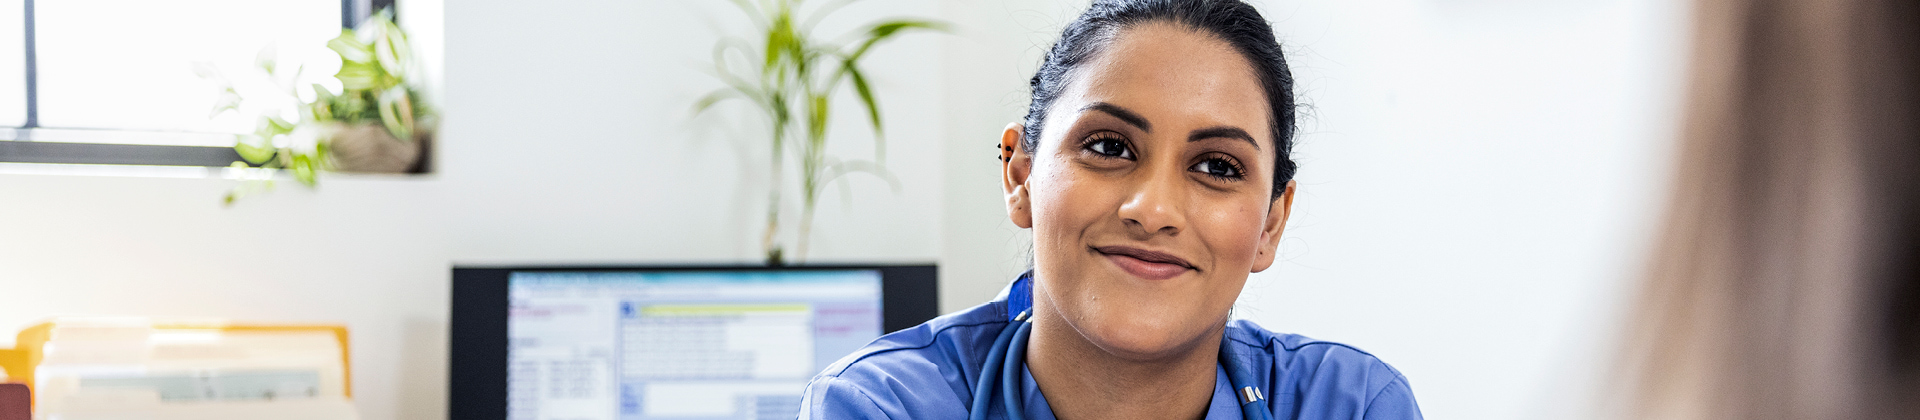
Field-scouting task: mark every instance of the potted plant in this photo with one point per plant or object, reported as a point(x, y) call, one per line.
point(791, 78)
point(379, 123)
point(376, 123)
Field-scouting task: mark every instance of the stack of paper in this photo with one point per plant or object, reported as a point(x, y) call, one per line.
point(138, 368)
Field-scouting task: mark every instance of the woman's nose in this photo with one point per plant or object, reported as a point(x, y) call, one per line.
point(1156, 206)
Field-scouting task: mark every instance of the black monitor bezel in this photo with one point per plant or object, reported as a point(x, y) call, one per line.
point(477, 371)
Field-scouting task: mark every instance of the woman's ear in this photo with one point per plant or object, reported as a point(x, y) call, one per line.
point(1276, 223)
point(1015, 166)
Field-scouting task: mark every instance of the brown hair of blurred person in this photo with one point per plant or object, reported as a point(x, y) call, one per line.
point(1786, 283)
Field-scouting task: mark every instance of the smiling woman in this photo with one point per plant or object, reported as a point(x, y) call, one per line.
point(1154, 170)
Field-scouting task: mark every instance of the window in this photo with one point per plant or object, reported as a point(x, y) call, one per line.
point(13, 66)
point(125, 81)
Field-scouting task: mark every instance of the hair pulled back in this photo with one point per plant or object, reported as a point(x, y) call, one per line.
point(1232, 21)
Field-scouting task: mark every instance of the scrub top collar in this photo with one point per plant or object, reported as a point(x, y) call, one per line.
point(1019, 298)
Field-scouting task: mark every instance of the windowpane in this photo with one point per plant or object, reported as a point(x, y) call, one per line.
point(130, 64)
point(13, 63)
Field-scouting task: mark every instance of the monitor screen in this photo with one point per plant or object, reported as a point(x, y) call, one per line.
point(648, 343)
point(679, 345)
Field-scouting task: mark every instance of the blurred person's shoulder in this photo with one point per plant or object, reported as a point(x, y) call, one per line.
point(1321, 379)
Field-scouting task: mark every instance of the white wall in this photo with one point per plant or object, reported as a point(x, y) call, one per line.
point(1478, 183)
point(579, 144)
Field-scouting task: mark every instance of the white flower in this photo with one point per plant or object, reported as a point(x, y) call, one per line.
point(240, 171)
point(304, 139)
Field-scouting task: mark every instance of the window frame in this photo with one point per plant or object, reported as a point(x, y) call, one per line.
point(21, 147)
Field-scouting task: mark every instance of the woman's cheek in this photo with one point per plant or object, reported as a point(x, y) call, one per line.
point(1236, 229)
point(1075, 199)
point(1061, 211)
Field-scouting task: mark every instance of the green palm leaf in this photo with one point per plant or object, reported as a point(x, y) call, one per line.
point(796, 79)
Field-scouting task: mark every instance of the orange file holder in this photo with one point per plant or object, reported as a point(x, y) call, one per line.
point(87, 365)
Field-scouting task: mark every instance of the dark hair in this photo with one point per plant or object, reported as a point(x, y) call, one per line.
point(1232, 21)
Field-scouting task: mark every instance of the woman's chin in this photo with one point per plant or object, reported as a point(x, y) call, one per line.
point(1143, 339)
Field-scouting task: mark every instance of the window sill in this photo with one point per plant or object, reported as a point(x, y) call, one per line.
point(187, 172)
point(134, 154)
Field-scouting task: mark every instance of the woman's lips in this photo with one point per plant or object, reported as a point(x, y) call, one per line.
point(1145, 264)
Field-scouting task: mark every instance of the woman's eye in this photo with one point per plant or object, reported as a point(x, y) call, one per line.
point(1110, 147)
point(1217, 167)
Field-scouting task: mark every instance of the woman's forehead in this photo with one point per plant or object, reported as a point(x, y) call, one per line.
point(1174, 77)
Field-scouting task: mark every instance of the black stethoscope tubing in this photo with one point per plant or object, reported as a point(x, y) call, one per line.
point(1008, 356)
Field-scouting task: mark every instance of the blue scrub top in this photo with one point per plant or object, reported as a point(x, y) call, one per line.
point(928, 372)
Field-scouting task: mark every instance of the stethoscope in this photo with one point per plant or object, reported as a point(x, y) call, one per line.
point(1009, 353)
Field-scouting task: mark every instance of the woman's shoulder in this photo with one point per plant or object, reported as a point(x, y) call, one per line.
point(925, 369)
point(954, 335)
point(1322, 376)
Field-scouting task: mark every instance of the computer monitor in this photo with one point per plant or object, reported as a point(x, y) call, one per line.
point(654, 343)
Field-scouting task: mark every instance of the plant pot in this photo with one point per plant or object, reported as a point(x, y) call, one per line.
point(369, 148)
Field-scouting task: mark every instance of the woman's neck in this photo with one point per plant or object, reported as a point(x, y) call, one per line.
point(1083, 381)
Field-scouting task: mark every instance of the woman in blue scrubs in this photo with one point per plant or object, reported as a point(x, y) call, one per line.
point(1154, 170)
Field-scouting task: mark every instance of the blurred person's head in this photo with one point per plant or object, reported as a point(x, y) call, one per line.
point(1787, 283)
point(1154, 169)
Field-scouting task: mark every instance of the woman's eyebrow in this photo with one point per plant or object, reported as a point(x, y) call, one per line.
point(1222, 132)
point(1122, 113)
